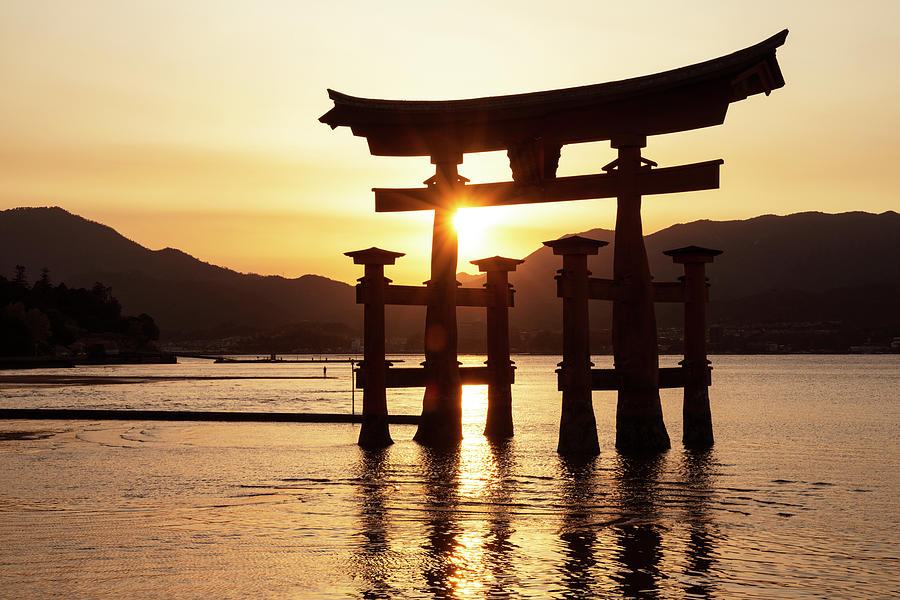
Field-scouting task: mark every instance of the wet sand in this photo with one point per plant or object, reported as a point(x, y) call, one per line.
point(99, 414)
point(10, 381)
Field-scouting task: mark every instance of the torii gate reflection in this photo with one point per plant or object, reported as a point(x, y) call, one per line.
point(532, 128)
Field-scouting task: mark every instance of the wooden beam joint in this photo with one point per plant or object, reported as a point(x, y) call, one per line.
point(611, 379)
point(414, 295)
point(412, 377)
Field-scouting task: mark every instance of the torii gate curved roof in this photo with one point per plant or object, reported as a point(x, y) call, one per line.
point(690, 97)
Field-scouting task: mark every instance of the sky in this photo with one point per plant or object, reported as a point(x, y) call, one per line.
point(194, 124)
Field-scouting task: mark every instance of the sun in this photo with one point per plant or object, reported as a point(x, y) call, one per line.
point(470, 222)
point(473, 227)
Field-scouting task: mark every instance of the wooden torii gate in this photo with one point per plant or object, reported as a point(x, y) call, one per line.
point(532, 128)
point(576, 378)
point(375, 291)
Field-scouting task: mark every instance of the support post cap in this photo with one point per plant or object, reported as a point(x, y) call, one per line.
point(496, 263)
point(374, 256)
point(692, 254)
point(575, 244)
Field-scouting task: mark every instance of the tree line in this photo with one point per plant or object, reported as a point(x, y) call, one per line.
point(43, 319)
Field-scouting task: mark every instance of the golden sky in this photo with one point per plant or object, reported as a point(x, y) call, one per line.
point(194, 124)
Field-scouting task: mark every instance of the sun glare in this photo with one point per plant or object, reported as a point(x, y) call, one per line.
point(469, 222)
point(473, 227)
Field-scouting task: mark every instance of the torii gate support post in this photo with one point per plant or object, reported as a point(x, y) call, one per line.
point(441, 421)
point(698, 432)
point(374, 432)
point(577, 424)
point(498, 422)
point(639, 419)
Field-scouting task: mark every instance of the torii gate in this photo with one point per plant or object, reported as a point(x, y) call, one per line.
point(375, 291)
point(532, 128)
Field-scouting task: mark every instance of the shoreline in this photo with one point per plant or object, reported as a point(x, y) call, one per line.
point(79, 414)
point(7, 381)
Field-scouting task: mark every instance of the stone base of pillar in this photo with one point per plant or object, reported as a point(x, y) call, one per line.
point(698, 431)
point(374, 432)
point(577, 430)
point(439, 429)
point(641, 431)
point(499, 423)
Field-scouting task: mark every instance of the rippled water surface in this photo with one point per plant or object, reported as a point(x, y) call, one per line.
point(796, 500)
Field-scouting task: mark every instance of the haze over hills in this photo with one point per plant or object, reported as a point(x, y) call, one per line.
point(186, 296)
point(805, 267)
point(801, 267)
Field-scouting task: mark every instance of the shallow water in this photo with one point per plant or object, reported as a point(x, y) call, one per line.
point(796, 500)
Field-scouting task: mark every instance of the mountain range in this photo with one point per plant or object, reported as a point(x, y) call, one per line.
point(186, 296)
point(801, 268)
point(796, 268)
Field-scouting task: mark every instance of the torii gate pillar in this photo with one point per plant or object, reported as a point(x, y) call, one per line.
point(374, 432)
point(698, 431)
point(639, 420)
point(498, 423)
point(441, 422)
point(577, 424)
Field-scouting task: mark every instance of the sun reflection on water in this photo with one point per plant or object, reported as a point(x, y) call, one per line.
point(469, 492)
point(469, 561)
point(477, 472)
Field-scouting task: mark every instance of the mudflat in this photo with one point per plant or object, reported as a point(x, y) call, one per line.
point(7, 381)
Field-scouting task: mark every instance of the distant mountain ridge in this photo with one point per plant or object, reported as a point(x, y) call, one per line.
point(776, 258)
point(801, 267)
point(809, 251)
point(186, 296)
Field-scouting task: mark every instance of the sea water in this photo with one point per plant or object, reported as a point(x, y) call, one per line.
point(796, 500)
